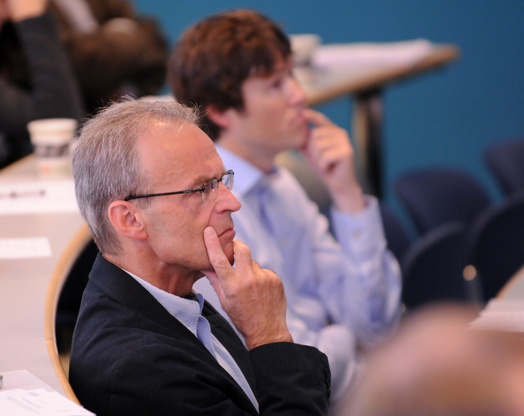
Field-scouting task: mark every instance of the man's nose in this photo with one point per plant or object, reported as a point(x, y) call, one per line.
point(226, 200)
point(296, 95)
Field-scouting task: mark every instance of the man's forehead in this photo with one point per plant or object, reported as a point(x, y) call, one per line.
point(176, 139)
point(280, 65)
point(183, 149)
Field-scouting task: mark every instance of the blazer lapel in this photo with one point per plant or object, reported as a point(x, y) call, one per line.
point(124, 289)
point(119, 285)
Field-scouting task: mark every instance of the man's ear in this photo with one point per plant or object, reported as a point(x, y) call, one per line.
point(127, 220)
point(222, 118)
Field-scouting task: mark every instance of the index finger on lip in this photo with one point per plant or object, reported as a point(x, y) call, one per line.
point(316, 118)
point(215, 253)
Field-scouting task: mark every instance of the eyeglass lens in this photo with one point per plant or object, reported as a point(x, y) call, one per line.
point(211, 186)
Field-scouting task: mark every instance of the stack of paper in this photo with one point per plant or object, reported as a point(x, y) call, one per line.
point(38, 402)
point(23, 394)
point(374, 55)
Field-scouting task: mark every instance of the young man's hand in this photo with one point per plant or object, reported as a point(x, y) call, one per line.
point(329, 151)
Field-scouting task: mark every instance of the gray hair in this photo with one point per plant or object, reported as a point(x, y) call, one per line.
point(105, 161)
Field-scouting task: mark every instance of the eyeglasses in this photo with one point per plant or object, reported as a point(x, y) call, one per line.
point(208, 190)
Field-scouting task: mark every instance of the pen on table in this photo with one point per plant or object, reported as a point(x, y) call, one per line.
point(16, 194)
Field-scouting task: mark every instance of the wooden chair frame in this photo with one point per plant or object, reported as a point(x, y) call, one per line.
point(64, 265)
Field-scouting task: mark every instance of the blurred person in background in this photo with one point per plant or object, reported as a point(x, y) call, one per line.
point(114, 51)
point(36, 79)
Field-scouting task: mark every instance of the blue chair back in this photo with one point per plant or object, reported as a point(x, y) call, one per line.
point(438, 195)
point(433, 267)
point(396, 234)
point(506, 162)
point(496, 244)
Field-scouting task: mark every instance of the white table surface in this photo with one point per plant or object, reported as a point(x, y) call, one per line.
point(23, 283)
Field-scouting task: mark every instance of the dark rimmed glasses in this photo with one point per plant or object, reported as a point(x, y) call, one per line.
point(208, 190)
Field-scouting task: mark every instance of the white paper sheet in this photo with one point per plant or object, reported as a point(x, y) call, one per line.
point(19, 248)
point(374, 55)
point(24, 394)
point(37, 197)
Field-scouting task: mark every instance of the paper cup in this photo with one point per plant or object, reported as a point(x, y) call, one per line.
point(302, 46)
point(51, 139)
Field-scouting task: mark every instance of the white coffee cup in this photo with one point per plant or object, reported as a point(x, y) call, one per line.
point(51, 139)
point(302, 47)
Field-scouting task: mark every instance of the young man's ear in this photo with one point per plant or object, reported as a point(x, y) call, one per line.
point(222, 118)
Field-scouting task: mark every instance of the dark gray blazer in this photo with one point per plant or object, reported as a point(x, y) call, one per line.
point(131, 357)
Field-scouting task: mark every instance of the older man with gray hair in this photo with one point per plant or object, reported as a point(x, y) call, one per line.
point(158, 202)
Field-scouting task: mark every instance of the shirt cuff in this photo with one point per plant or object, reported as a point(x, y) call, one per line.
point(362, 231)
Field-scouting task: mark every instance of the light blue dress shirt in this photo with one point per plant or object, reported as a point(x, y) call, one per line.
point(189, 313)
point(340, 293)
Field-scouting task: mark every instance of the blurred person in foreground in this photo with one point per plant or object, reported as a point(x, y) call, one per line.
point(436, 365)
point(342, 294)
point(157, 199)
point(113, 49)
point(36, 79)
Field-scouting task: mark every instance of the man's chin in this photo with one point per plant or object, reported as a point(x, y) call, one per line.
point(301, 140)
point(230, 254)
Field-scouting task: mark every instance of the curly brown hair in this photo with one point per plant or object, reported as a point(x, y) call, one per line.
point(214, 57)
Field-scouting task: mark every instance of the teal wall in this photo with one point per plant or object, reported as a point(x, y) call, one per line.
point(444, 117)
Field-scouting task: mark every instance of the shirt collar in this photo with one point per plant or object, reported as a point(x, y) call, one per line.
point(186, 310)
point(247, 176)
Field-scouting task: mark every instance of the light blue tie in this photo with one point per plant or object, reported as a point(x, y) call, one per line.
point(264, 196)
